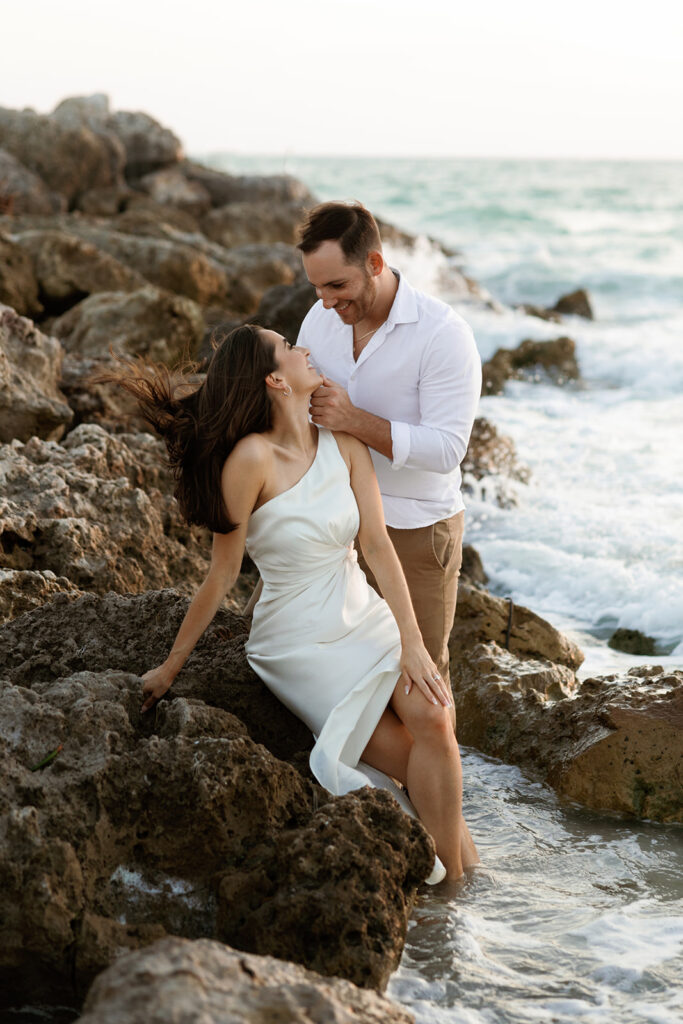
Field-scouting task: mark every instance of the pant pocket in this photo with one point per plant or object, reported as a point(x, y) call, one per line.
point(443, 542)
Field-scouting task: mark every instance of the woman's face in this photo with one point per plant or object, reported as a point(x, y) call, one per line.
point(293, 364)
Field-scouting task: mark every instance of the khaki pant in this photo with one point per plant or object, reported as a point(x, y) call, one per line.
point(431, 557)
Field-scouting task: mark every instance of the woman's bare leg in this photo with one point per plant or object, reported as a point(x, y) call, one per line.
point(414, 742)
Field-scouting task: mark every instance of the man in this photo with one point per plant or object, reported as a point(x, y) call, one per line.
point(402, 373)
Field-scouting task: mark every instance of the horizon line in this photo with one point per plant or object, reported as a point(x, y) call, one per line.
point(295, 155)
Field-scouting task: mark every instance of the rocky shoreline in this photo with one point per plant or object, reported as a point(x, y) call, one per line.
point(201, 821)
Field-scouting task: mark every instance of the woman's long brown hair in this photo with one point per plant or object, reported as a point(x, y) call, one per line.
point(201, 425)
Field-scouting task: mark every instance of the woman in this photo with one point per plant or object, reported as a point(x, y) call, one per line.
point(252, 467)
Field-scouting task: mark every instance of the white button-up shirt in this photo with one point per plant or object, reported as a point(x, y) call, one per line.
point(421, 371)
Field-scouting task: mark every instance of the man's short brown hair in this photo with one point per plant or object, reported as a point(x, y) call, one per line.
point(350, 224)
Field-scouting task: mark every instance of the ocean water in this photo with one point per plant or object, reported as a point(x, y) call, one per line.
point(595, 541)
point(574, 916)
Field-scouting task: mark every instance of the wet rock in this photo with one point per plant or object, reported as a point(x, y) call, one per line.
point(632, 641)
point(481, 616)
point(30, 400)
point(170, 187)
point(611, 744)
point(247, 222)
point(176, 979)
point(20, 591)
point(490, 469)
point(179, 820)
point(22, 191)
point(556, 360)
point(18, 284)
point(148, 321)
point(541, 312)
point(472, 568)
point(68, 269)
point(69, 157)
point(575, 304)
point(97, 510)
point(357, 846)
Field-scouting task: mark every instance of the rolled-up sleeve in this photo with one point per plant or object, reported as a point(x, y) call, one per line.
point(449, 388)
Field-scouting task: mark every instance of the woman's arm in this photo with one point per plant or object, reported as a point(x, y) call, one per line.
point(242, 480)
point(253, 598)
point(380, 555)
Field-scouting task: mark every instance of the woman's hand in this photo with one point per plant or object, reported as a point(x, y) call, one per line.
point(156, 682)
point(419, 670)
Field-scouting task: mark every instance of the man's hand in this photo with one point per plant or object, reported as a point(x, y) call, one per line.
point(331, 407)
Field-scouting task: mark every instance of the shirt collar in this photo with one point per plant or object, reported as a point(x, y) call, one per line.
point(404, 306)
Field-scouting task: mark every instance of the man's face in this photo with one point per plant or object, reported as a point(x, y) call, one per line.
point(347, 288)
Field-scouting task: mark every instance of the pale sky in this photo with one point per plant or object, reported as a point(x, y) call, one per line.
point(522, 78)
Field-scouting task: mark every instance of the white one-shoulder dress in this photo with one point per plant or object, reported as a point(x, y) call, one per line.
point(321, 639)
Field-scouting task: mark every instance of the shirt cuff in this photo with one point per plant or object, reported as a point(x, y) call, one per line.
point(400, 444)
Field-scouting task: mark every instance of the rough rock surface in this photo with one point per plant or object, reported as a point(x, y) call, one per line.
point(612, 744)
point(481, 617)
point(170, 187)
point(108, 406)
point(575, 304)
point(176, 979)
point(142, 215)
point(246, 222)
point(30, 400)
point(283, 308)
point(256, 268)
point(541, 312)
point(472, 568)
point(172, 265)
point(22, 590)
point(22, 191)
point(149, 321)
point(556, 360)
point(18, 284)
point(237, 188)
point(68, 269)
point(632, 641)
point(490, 468)
point(148, 145)
point(92, 510)
point(178, 822)
point(69, 157)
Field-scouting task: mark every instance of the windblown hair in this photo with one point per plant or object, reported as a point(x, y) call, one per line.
point(202, 424)
point(350, 224)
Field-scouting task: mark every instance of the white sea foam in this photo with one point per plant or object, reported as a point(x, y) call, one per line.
point(633, 939)
point(578, 916)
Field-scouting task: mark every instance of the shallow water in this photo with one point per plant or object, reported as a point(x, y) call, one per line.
point(574, 916)
point(596, 540)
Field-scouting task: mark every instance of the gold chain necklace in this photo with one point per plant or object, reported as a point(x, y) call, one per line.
point(357, 341)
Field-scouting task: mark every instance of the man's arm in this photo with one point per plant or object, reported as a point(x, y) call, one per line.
point(449, 388)
point(331, 407)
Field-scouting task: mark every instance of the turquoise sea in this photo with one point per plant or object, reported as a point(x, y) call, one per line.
point(575, 916)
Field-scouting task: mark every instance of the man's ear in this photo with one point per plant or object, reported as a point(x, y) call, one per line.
point(375, 262)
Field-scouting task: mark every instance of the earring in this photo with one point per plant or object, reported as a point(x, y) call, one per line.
point(287, 391)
